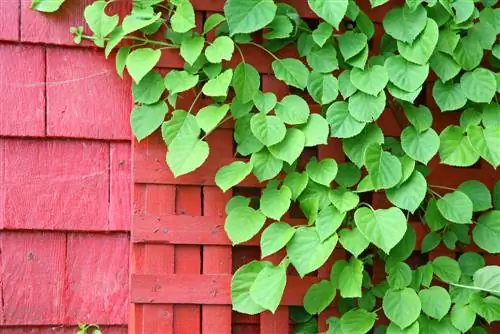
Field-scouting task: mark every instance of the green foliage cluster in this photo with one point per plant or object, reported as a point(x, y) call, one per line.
point(84, 329)
point(453, 39)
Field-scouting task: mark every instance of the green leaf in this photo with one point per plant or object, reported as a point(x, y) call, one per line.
point(316, 130)
point(384, 227)
point(468, 53)
point(486, 233)
point(291, 71)
point(496, 195)
point(322, 33)
point(366, 108)
point(248, 16)
point(140, 61)
point(345, 85)
point(219, 85)
point(433, 217)
point(402, 307)
point(421, 146)
point(100, 23)
point(491, 114)
point(351, 44)
point(357, 321)
point(328, 221)
point(353, 241)
point(487, 308)
point(243, 223)
point(448, 96)
point(404, 74)
point(331, 11)
point(444, 66)
point(237, 202)
point(191, 48)
point(486, 142)
point(150, 89)
point(462, 317)
point(241, 284)
point(180, 81)
point(455, 148)
point(371, 81)
point(182, 125)
point(290, 148)
point(356, 147)
point(456, 207)
point(463, 10)
point(479, 85)
point(220, 49)
point(448, 270)
point(323, 88)
point(395, 329)
point(470, 262)
point(430, 242)
point(121, 59)
point(47, 6)
point(213, 21)
point(265, 165)
point(264, 102)
point(420, 51)
point(268, 287)
point(246, 82)
point(281, 27)
point(186, 154)
point(293, 110)
point(306, 252)
point(488, 279)
point(232, 174)
point(384, 169)
point(350, 279)
point(405, 247)
point(210, 116)
point(343, 199)
point(269, 130)
point(478, 193)
point(404, 24)
point(323, 59)
point(275, 203)
point(399, 275)
point(403, 95)
point(410, 194)
point(296, 182)
point(318, 297)
point(145, 119)
point(436, 302)
point(342, 124)
point(323, 171)
point(275, 237)
point(139, 19)
point(183, 18)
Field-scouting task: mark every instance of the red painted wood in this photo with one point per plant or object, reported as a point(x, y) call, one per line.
point(33, 275)
point(202, 289)
point(57, 329)
point(22, 73)
point(66, 184)
point(89, 273)
point(120, 187)
point(53, 28)
point(102, 112)
point(9, 20)
point(216, 260)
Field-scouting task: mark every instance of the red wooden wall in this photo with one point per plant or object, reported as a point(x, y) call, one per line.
point(64, 177)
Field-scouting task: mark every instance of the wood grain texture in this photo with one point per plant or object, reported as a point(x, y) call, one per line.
point(85, 97)
point(22, 83)
point(9, 20)
point(33, 275)
point(120, 187)
point(55, 184)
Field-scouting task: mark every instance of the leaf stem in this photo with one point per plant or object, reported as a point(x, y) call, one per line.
point(195, 101)
point(441, 187)
point(240, 52)
point(366, 204)
point(264, 49)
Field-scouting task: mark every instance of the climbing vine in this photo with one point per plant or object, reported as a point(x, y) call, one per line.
point(336, 67)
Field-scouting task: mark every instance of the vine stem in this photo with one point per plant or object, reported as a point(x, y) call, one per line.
point(144, 40)
point(264, 49)
point(194, 102)
point(441, 187)
point(366, 204)
point(240, 52)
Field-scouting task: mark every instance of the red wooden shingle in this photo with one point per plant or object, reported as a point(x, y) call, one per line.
point(85, 96)
point(120, 192)
point(22, 76)
point(57, 329)
point(55, 184)
point(97, 273)
point(9, 20)
point(33, 267)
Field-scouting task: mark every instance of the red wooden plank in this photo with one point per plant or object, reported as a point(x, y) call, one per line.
point(203, 289)
point(35, 262)
point(90, 274)
point(275, 323)
point(216, 260)
point(56, 329)
point(9, 20)
point(187, 318)
point(23, 91)
point(55, 184)
point(120, 178)
point(53, 28)
point(85, 97)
